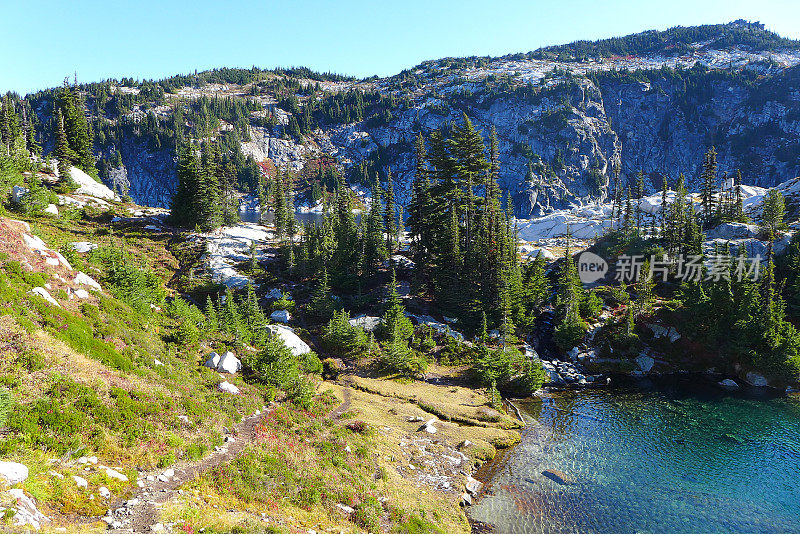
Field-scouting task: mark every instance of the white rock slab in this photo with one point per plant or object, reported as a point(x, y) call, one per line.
point(13, 472)
point(42, 292)
point(290, 339)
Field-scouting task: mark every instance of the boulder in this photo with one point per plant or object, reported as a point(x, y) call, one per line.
point(13, 472)
point(367, 322)
point(344, 508)
point(89, 186)
point(213, 361)
point(728, 384)
point(83, 247)
point(546, 254)
point(290, 339)
point(86, 280)
point(17, 192)
point(733, 230)
point(111, 473)
point(466, 499)
point(81, 293)
point(227, 387)
point(104, 492)
point(645, 362)
point(42, 292)
point(229, 363)
point(26, 514)
point(429, 427)
point(275, 293)
point(281, 316)
point(51, 209)
point(667, 332)
point(756, 380)
point(399, 262)
point(558, 476)
point(80, 481)
point(473, 486)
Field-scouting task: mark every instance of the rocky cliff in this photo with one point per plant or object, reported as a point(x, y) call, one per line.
point(565, 116)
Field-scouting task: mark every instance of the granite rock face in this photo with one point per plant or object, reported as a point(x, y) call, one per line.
point(563, 123)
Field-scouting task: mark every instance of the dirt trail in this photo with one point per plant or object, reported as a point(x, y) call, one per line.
point(337, 413)
point(140, 512)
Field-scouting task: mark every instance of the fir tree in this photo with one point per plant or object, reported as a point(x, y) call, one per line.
point(708, 178)
point(394, 324)
point(390, 214)
point(62, 147)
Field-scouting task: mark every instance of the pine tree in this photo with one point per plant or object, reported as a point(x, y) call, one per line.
point(186, 204)
point(321, 303)
point(708, 177)
point(626, 221)
point(664, 188)
point(394, 324)
point(570, 328)
point(639, 194)
point(62, 148)
point(390, 214)
point(773, 212)
point(212, 322)
point(253, 317)
point(374, 246)
point(645, 297)
point(78, 130)
point(739, 208)
point(279, 206)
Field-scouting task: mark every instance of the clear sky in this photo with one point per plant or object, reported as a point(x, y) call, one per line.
point(42, 41)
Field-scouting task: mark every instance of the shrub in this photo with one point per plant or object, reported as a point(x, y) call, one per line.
point(343, 339)
point(398, 357)
point(139, 288)
point(310, 363)
point(275, 366)
point(591, 306)
point(283, 303)
point(508, 370)
point(568, 334)
point(6, 401)
point(36, 199)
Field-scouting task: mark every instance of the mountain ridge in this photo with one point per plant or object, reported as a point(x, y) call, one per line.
point(564, 122)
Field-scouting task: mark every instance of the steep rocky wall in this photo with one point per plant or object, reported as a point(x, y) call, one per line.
point(574, 135)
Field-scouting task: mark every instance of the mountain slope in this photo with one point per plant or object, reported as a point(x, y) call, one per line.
point(566, 116)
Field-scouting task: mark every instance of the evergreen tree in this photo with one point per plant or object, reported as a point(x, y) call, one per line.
point(708, 178)
point(62, 147)
point(390, 214)
point(395, 326)
point(186, 204)
point(773, 212)
point(321, 303)
point(570, 328)
point(212, 322)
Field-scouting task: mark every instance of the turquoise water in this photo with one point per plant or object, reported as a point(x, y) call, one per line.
point(670, 459)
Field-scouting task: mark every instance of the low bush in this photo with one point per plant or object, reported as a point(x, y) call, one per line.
point(343, 339)
point(400, 358)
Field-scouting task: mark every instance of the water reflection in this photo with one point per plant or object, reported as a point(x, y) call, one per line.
point(253, 216)
point(672, 459)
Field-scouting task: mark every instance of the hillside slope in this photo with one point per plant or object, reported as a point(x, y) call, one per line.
point(565, 116)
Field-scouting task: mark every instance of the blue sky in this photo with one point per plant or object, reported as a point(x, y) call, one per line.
point(44, 41)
